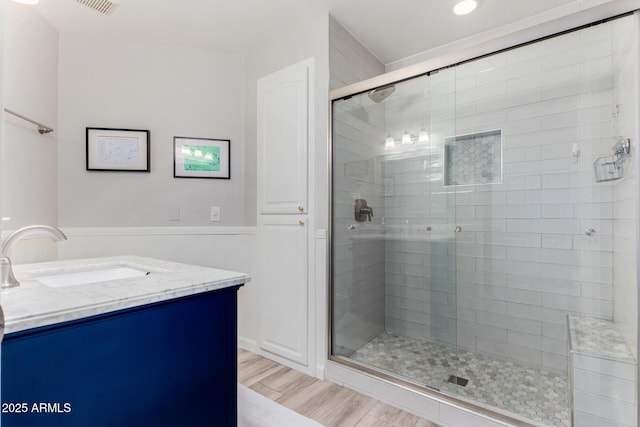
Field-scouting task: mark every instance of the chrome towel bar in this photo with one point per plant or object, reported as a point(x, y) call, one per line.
point(42, 129)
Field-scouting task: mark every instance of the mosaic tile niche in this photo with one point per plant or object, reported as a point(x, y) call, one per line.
point(473, 159)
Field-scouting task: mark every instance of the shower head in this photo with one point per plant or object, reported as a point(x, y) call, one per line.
point(381, 93)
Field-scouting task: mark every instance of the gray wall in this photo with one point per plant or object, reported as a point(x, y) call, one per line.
point(169, 90)
point(2, 37)
point(29, 169)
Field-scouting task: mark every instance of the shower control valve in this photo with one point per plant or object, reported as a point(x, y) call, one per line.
point(362, 212)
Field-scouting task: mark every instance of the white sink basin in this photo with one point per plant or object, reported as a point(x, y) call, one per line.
point(92, 274)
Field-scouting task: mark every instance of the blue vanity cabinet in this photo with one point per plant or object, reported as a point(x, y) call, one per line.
point(171, 363)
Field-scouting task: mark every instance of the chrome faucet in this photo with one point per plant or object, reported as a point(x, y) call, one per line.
point(7, 279)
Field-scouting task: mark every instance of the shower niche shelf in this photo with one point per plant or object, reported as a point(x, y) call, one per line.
point(473, 159)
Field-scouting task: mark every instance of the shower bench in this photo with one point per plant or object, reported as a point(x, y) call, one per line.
point(602, 374)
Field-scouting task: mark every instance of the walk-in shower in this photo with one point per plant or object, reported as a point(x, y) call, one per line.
point(484, 227)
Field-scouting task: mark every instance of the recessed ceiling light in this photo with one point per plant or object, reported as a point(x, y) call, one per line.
point(465, 6)
point(26, 1)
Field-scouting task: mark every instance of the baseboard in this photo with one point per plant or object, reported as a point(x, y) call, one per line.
point(248, 344)
point(320, 371)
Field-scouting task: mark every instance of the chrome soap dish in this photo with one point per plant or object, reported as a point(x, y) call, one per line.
point(609, 168)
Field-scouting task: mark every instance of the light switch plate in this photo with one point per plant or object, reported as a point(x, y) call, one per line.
point(215, 213)
point(174, 213)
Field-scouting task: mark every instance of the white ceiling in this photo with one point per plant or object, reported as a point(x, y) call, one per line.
point(391, 29)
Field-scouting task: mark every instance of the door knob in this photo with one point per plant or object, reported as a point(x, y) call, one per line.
point(457, 229)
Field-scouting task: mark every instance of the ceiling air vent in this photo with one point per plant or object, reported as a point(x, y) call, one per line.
point(105, 7)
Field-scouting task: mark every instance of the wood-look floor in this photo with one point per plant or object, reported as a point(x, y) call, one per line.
point(323, 401)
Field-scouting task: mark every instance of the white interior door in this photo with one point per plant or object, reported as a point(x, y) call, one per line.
point(283, 138)
point(284, 117)
point(283, 283)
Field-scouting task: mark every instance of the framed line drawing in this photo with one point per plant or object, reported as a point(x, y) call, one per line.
point(118, 150)
point(201, 158)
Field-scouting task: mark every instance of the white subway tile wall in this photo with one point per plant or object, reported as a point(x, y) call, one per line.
point(350, 61)
point(358, 265)
point(493, 269)
point(625, 192)
point(522, 261)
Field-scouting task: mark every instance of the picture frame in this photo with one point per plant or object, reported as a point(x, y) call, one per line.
point(201, 158)
point(118, 150)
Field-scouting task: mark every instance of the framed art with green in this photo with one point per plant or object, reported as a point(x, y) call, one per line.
point(201, 158)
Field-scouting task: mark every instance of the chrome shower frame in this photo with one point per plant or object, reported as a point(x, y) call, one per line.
point(427, 67)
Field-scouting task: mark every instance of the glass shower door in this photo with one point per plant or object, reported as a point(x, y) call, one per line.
point(357, 238)
point(393, 231)
point(441, 306)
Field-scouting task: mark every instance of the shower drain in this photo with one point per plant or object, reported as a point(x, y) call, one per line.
point(458, 380)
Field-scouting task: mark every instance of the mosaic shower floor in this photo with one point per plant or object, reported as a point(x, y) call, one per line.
point(532, 393)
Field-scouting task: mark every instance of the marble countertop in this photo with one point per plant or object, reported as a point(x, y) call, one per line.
point(598, 337)
point(34, 304)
